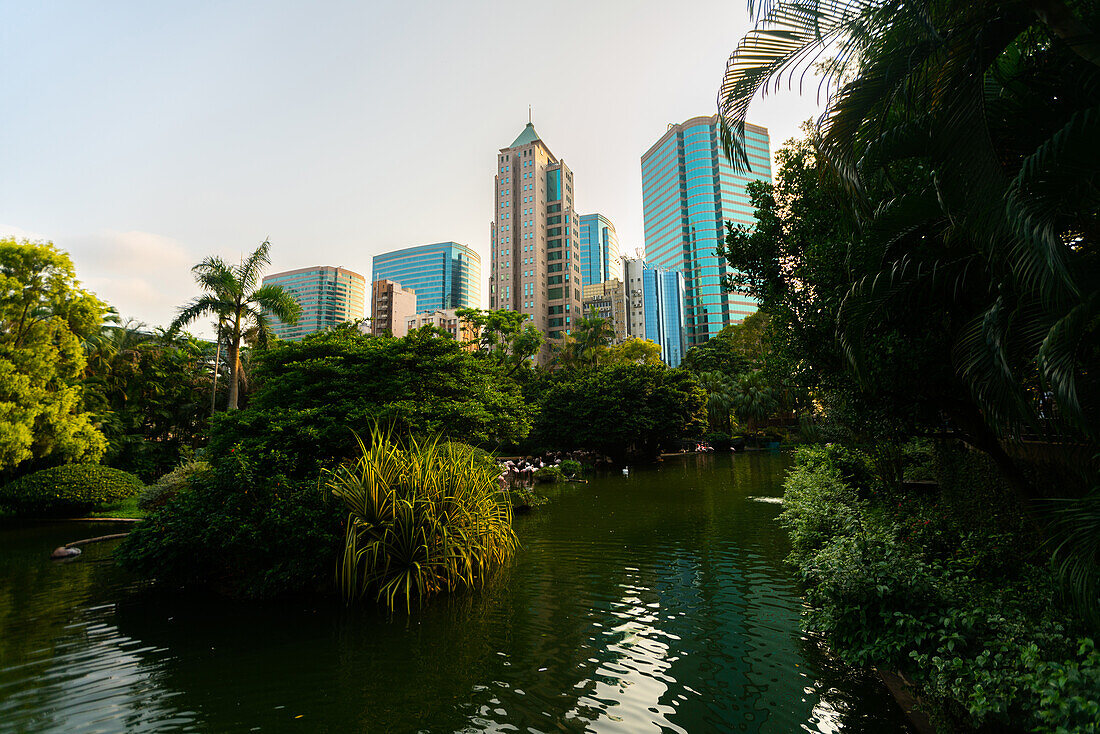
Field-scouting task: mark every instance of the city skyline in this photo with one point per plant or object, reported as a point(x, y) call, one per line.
point(154, 136)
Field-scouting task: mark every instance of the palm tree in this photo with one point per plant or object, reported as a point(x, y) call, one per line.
point(721, 391)
point(968, 136)
point(232, 296)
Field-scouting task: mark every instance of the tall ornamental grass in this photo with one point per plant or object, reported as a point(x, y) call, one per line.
point(424, 517)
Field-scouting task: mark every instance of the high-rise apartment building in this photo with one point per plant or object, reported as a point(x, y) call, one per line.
point(600, 259)
point(443, 275)
point(689, 191)
point(391, 308)
point(535, 238)
point(633, 284)
point(608, 300)
point(327, 295)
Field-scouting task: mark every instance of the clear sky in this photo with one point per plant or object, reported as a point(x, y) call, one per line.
point(144, 136)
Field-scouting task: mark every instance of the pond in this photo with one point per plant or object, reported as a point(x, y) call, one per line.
point(654, 601)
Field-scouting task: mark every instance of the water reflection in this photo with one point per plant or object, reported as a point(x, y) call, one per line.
point(651, 602)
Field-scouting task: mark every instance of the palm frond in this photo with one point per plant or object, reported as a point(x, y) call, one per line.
point(249, 271)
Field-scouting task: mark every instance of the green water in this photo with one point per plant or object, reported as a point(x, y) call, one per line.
point(651, 602)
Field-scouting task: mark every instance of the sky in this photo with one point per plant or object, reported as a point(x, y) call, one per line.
point(142, 137)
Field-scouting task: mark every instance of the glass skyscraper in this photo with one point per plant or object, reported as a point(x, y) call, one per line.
point(663, 299)
point(689, 191)
point(327, 295)
point(599, 250)
point(443, 275)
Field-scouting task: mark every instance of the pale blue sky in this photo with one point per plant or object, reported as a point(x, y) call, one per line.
point(143, 136)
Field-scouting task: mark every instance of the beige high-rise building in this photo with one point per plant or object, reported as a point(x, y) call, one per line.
point(391, 308)
point(535, 236)
point(448, 321)
point(609, 301)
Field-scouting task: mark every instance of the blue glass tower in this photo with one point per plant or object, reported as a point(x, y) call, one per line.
point(663, 299)
point(443, 275)
point(599, 250)
point(689, 191)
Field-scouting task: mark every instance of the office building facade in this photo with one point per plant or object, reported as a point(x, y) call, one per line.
point(391, 308)
point(664, 312)
point(328, 296)
point(443, 275)
point(535, 238)
point(600, 259)
point(689, 191)
point(608, 300)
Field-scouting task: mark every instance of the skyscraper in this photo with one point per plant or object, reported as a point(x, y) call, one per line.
point(664, 312)
point(327, 295)
point(535, 238)
point(599, 249)
point(689, 191)
point(443, 275)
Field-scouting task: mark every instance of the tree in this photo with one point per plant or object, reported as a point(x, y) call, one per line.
point(627, 410)
point(588, 340)
point(718, 354)
point(966, 137)
point(633, 351)
point(313, 394)
point(721, 390)
point(503, 336)
point(235, 300)
point(147, 390)
point(43, 315)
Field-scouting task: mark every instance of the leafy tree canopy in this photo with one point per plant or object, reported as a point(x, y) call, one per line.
point(622, 410)
point(312, 394)
point(43, 315)
point(503, 335)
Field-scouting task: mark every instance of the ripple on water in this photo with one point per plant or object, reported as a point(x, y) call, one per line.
point(653, 602)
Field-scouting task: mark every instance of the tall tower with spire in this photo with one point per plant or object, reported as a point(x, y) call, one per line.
point(535, 235)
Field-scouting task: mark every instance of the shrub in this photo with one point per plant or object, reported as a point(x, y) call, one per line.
point(171, 484)
point(423, 518)
point(570, 468)
point(548, 475)
point(966, 611)
point(245, 528)
point(71, 489)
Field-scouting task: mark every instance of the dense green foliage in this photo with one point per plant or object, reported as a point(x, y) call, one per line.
point(951, 589)
point(150, 393)
point(72, 489)
point(548, 475)
point(258, 523)
point(312, 393)
point(171, 484)
point(43, 315)
point(621, 410)
point(248, 527)
point(503, 336)
point(423, 518)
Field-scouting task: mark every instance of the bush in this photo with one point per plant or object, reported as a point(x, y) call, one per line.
point(570, 468)
point(245, 528)
point(423, 518)
point(71, 489)
point(171, 484)
point(967, 612)
point(548, 475)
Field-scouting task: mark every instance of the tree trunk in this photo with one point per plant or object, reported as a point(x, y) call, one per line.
point(217, 360)
point(235, 361)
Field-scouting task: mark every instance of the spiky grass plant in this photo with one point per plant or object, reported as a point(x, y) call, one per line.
point(424, 517)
